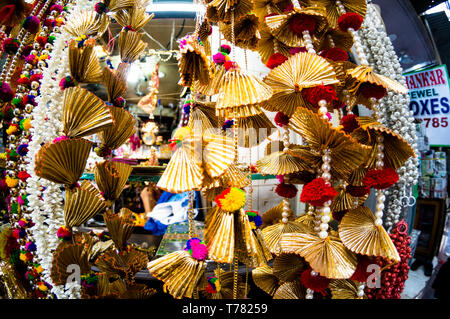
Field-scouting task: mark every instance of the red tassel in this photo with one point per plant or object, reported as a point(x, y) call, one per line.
point(349, 123)
point(316, 283)
point(370, 90)
point(286, 190)
point(281, 119)
point(321, 92)
point(380, 178)
point(335, 54)
point(275, 60)
point(317, 192)
point(350, 20)
point(300, 23)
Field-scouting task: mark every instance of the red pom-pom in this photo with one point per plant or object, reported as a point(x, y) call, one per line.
point(230, 65)
point(281, 119)
point(349, 123)
point(275, 60)
point(289, 7)
point(380, 178)
point(316, 283)
point(317, 192)
point(294, 51)
point(350, 20)
point(339, 215)
point(321, 92)
point(23, 176)
point(36, 77)
point(286, 190)
point(24, 81)
point(358, 191)
point(370, 90)
point(361, 273)
point(335, 54)
point(300, 23)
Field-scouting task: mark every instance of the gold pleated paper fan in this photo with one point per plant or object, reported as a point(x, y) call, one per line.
point(239, 95)
point(272, 234)
point(233, 177)
point(204, 33)
point(264, 7)
point(344, 289)
point(279, 24)
point(245, 31)
point(343, 201)
point(253, 130)
point(250, 246)
point(225, 280)
point(121, 131)
point(84, 65)
point(124, 264)
point(220, 10)
point(82, 204)
point(359, 234)
point(336, 38)
point(365, 74)
point(179, 271)
point(136, 17)
point(116, 5)
point(111, 178)
point(281, 163)
point(300, 71)
point(264, 279)
point(193, 64)
point(290, 290)
point(120, 226)
point(63, 162)
point(203, 119)
point(131, 46)
point(115, 83)
point(218, 154)
point(307, 221)
point(267, 43)
point(138, 291)
point(184, 171)
point(87, 23)
point(287, 267)
point(332, 10)
point(84, 113)
point(346, 153)
point(274, 215)
point(326, 256)
point(65, 255)
point(213, 86)
point(220, 235)
point(396, 150)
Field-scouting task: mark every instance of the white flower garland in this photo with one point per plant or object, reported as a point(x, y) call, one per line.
point(48, 213)
point(394, 108)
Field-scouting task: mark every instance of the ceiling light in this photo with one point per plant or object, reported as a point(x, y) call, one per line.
point(176, 7)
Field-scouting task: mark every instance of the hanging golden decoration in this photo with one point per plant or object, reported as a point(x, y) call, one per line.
point(253, 130)
point(226, 282)
point(136, 17)
point(87, 23)
point(287, 267)
point(131, 46)
point(220, 10)
point(365, 74)
point(121, 131)
point(281, 163)
point(336, 38)
point(213, 86)
point(220, 235)
point(264, 279)
point(193, 64)
point(326, 256)
point(359, 234)
point(111, 178)
point(233, 177)
point(83, 63)
point(300, 71)
point(267, 43)
point(272, 234)
point(115, 83)
point(290, 290)
point(245, 31)
point(273, 216)
point(333, 12)
point(120, 226)
point(125, 265)
point(344, 289)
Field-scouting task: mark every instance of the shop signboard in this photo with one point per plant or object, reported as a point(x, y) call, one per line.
point(429, 93)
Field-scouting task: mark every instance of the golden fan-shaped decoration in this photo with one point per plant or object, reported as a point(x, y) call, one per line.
point(109, 286)
point(203, 118)
point(221, 10)
point(111, 178)
point(63, 162)
point(264, 7)
point(326, 256)
point(300, 71)
point(193, 64)
point(125, 265)
point(357, 176)
point(82, 204)
point(279, 24)
point(365, 74)
point(287, 267)
point(121, 131)
point(250, 246)
point(204, 33)
point(239, 95)
point(272, 234)
point(281, 163)
point(220, 235)
point(274, 215)
point(138, 291)
point(245, 31)
point(84, 113)
point(88, 23)
point(179, 271)
point(344, 201)
point(131, 46)
point(335, 38)
point(233, 177)
point(218, 154)
point(137, 17)
point(115, 83)
point(120, 226)
point(346, 153)
point(267, 44)
point(83, 63)
point(333, 12)
point(65, 256)
point(290, 290)
point(344, 289)
point(213, 86)
point(359, 233)
point(264, 279)
point(253, 130)
point(396, 150)
point(116, 5)
point(226, 282)
point(307, 221)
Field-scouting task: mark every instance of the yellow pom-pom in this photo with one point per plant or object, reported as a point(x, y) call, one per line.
point(43, 57)
point(11, 182)
point(231, 199)
point(11, 129)
point(182, 133)
point(39, 269)
point(26, 124)
point(3, 156)
point(23, 257)
point(42, 287)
